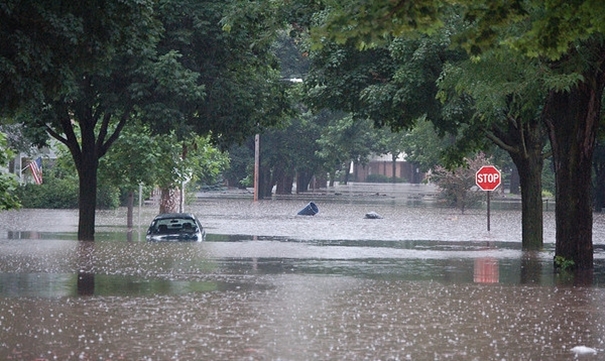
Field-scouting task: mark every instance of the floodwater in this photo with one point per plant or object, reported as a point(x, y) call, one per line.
point(423, 283)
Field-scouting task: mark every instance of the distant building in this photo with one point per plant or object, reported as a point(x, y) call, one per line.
point(383, 165)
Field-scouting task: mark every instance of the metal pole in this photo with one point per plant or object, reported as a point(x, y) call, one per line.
point(256, 165)
point(140, 202)
point(182, 196)
point(488, 210)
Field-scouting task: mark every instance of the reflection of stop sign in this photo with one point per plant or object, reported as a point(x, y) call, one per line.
point(488, 178)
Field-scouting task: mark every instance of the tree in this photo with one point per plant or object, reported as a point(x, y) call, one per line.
point(180, 162)
point(66, 53)
point(502, 94)
point(346, 140)
point(391, 143)
point(423, 145)
point(487, 99)
point(599, 176)
point(139, 158)
point(86, 69)
point(566, 37)
point(457, 185)
point(569, 40)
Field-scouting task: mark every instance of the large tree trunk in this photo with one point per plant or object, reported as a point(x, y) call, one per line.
point(170, 200)
point(265, 186)
point(524, 141)
point(345, 179)
point(599, 171)
point(332, 177)
point(87, 166)
point(530, 178)
point(572, 118)
point(283, 181)
point(303, 179)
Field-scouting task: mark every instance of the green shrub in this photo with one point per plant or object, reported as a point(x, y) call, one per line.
point(62, 193)
point(53, 193)
point(108, 197)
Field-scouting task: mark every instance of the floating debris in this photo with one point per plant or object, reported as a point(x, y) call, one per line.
point(310, 209)
point(373, 215)
point(583, 350)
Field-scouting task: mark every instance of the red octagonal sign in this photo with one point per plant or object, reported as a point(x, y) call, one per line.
point(488, 178)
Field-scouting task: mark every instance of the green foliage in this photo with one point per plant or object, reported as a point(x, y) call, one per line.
point(60, 187)
point(139, 157)
point(564, 264)
point(367, 23)
point(241, 165)
point(458, 185)
point(53, 193)
point(8, 198)
point(108, 197)
point(536, 28)
point(423, 146)
point(344, 140)
point(289, 151)
point(169, 63)
point(8, 183)
point(77, 38)
point(131, 160)
point(229, 44)
point(193, 159)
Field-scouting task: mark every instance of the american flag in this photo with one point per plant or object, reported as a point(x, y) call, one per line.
point(36, 168)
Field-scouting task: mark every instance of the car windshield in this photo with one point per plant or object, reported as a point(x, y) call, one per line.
point(173, 225)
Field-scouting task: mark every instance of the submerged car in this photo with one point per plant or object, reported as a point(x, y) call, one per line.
point(176, 227)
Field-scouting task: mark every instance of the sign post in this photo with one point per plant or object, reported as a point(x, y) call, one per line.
point(488, 178)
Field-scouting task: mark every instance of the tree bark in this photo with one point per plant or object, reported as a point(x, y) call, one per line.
point(265, 186)
point(530, 178)
point(572, 118)
point(170, 200)
point(599, 171)
point(87, 165)
point(283, 181)
point(524, 140)
point(332, 176)
point(302, 181)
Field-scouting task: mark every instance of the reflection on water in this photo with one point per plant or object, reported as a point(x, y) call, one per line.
point(487, 270)
point(421, 284)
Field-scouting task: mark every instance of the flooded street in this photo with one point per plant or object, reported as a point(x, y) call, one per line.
point(422, 283)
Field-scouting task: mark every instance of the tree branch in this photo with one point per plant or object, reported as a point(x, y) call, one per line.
point(103, 147)
point(70, 140)
point(499, 142)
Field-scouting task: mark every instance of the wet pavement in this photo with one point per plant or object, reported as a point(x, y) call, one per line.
point(422, 283)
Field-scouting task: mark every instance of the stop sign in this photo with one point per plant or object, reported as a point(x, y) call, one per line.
point(488, 178)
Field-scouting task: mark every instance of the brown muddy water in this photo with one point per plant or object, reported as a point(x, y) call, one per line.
point(423, 283)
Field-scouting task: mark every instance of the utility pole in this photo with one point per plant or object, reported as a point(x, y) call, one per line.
point(256, 165)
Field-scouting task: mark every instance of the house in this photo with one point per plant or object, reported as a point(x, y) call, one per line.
point(383, 165)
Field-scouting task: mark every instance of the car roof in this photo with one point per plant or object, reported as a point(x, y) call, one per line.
point(174, 215)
